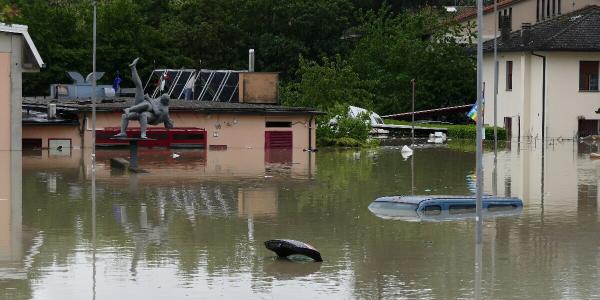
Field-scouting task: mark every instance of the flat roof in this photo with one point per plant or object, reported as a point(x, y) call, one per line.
point(119, 103)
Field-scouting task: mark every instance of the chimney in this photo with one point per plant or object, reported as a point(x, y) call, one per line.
point(251, 60)
point(505, 28)
point(526, 33)
point(51, 111)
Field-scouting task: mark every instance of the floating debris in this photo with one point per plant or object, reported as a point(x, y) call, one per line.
point(291, 248)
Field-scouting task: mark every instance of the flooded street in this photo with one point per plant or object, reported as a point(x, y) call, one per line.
point(194, 226)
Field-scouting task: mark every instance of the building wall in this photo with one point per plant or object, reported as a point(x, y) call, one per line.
point(11, 50)
point(522, 12)
point(233, 130)
point(5, 101)
point(46, 132)
point(564, 102)
point(525, 12)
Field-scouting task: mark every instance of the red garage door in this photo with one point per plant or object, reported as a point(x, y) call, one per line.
point(278, 139)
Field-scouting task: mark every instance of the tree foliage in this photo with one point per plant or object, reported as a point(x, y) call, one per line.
point(307, 41)
point(328, 85)
point(396, 48)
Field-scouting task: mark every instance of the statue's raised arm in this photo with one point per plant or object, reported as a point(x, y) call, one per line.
point(146, 110)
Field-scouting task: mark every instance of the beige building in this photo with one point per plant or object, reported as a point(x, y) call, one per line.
point(517, 12)
point(18, 54)
point(221, 125)
point(548, 77)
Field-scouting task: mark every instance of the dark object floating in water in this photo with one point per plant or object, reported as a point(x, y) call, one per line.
point(285, 248)
point(442, 208)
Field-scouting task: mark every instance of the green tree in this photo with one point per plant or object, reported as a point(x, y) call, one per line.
point(281, 31)
point(331, 87)
point(327, 85)
point(396, 48)
point(8, 11)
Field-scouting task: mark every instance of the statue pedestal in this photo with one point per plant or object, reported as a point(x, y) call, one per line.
point(133, 151)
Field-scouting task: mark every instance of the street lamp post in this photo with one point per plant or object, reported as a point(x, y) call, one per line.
point(495, 171)
point(479, 144)
point(412, 130)
point(94, 4)
point(495, 76)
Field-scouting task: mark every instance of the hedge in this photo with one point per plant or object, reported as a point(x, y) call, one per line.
point(464, 132)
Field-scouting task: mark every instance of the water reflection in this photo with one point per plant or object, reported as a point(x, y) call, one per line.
point(18, 245)
point(197, 227)
point(284, 269)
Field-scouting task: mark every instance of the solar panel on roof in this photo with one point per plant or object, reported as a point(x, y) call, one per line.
point(208, 85)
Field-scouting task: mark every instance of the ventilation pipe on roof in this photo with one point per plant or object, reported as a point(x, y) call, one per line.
point(526, 33)
point(251, 60)
point(51, 111)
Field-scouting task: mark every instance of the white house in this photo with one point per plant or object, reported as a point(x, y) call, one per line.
point(548, 77)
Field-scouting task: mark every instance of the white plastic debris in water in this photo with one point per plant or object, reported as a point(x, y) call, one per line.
point(406, 152)
point(175, 155)
point(437, 138)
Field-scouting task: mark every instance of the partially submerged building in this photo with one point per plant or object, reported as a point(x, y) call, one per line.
point(202, 124)
point(18, 54)
point(548, 77)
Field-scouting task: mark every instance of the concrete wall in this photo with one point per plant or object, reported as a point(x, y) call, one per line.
point(564, 102)
point(235, 131)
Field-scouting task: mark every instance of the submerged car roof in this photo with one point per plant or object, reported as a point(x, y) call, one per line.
point(417, 199)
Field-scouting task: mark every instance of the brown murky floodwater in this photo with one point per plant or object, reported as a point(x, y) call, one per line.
point(194, 226)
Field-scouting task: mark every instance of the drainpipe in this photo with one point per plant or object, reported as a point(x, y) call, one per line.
point(310, 133)
point(543, 94)
point(543, 123)
point(82, 130)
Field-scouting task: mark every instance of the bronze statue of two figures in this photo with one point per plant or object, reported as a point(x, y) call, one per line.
point(146, 110)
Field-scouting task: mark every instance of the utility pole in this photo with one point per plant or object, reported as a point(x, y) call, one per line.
point(412, 130)
point(479, 144)
point(495, 171)
point(495, 76)
point(94, 4)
